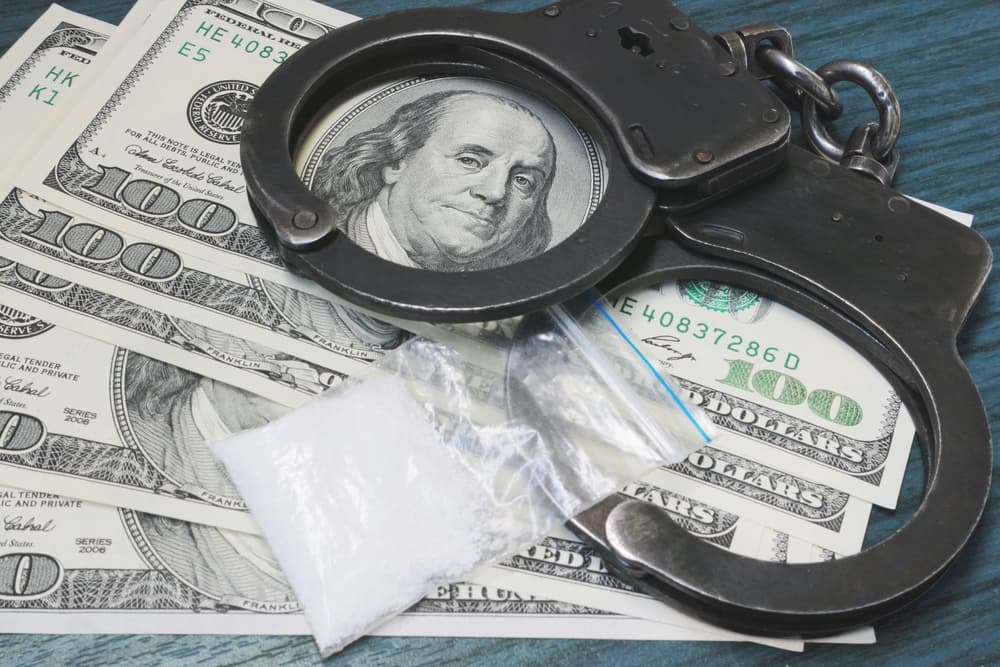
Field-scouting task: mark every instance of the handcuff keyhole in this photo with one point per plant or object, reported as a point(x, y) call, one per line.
point(635, 41)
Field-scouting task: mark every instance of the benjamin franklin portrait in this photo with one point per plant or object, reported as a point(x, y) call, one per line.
point(220, 563)
point(456, 178)
point(174, 415)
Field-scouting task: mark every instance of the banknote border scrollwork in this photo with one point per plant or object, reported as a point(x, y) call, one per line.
point(779, 546)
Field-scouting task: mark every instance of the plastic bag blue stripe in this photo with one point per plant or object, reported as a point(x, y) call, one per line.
point(650, 366)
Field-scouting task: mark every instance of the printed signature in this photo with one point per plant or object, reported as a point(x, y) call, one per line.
point(666, 342)
point(19, 523)
point(19, 386)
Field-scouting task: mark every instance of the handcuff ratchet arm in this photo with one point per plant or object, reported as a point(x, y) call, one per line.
point(910, 280)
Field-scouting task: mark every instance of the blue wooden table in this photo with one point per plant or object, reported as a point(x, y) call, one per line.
point(941, 55)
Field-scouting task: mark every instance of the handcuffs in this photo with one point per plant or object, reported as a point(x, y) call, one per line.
point(702, 184)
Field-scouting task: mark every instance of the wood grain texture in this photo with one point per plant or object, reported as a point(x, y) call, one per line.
point(941, 57)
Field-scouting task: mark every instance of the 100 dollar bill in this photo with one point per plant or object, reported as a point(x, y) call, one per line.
point(79, 567)
point(786, 392)
point(170, 171)
point(64, 398)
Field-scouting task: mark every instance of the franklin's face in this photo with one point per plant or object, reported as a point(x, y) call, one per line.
point(470, 189)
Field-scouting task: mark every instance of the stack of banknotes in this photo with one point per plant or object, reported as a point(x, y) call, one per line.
point(143, 315)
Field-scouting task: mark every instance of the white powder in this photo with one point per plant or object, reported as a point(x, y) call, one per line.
point(369, 498)
point(365, 510)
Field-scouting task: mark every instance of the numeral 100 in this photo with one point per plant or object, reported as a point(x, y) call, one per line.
point(153, 199)
point(97, 244)
point(783, 388)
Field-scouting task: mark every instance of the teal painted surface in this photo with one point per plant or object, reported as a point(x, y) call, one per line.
point(942, 57)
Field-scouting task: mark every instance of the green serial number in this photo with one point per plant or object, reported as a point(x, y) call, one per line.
point(233, 39)
point(720, 337)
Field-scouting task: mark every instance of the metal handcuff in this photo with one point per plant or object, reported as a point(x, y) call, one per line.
point(702, 184)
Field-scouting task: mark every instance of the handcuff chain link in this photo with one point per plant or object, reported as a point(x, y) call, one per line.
point(765, 50)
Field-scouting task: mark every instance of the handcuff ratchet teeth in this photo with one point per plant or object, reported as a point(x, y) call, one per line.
point(700, 171)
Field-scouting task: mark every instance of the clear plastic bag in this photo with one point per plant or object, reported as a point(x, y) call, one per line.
point(451, 455)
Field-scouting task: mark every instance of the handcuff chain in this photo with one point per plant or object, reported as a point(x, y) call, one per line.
point(765, 50)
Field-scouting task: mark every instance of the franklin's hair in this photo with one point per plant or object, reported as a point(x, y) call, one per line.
point(350, 177)
point(152, 387)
